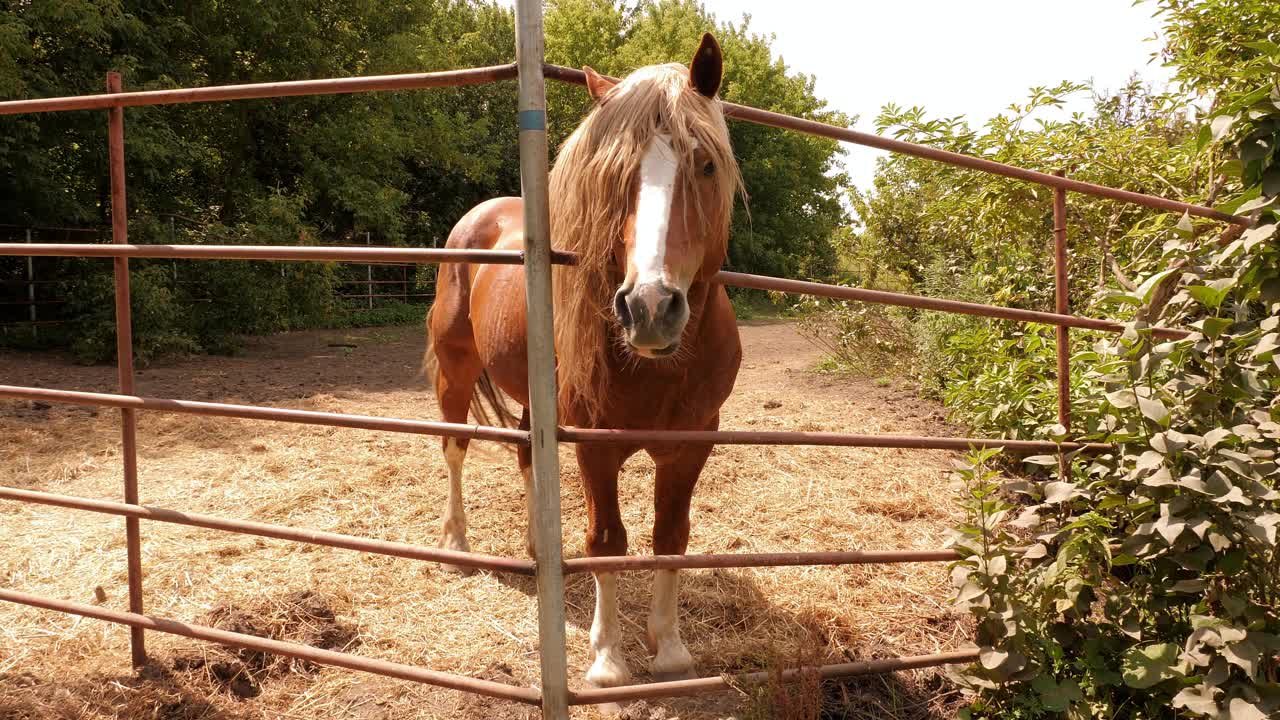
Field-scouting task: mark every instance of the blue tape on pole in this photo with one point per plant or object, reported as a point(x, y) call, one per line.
point(533, 120)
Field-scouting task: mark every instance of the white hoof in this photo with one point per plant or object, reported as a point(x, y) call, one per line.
point(672, 662)
point(455, 541)
point(608, 671)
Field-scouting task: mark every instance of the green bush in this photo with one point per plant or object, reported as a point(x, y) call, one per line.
point(866, 339)
point(1147, 579)
point(158, 316)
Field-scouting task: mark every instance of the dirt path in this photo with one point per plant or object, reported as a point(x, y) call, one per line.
point(750, 499)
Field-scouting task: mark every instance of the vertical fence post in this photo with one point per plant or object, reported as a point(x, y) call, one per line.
point(1062, 305)
point(124, 362)
point(31, 290)
point(542, 363)
point(368, 269)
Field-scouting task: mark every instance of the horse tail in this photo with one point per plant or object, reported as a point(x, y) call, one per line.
point(486, 399)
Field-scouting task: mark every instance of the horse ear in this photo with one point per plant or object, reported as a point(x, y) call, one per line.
point(597, 85)
point(707, 67)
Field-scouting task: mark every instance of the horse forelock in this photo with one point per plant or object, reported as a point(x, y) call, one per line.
point(592, 196)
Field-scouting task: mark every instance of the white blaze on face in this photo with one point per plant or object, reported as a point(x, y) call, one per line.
point(653, 210)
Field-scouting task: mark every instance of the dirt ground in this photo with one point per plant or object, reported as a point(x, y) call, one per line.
point(392, 486)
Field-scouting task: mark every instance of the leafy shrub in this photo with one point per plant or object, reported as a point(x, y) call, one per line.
point(863, 338)
point(158, 316)
point(1147, 578)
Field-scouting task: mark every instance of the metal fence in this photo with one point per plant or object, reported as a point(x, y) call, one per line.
point(34, 295)
point(545, 434)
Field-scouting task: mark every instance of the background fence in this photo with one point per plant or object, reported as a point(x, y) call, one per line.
point(34, 290)
point(544, 436)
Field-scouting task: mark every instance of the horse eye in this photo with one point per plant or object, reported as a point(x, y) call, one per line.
point(709, 169)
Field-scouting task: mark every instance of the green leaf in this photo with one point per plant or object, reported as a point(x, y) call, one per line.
point(1241, 709)
point(1221, 125)
point(1213, 327)
point(1244, 654)
point(1211, 295)
point(1153, 409)
point(1122, 398)
point(1058, 491)
point(1198, 699)
point(1194, 585)
point(1055, 696)
point(1148, 287)
point(1144, 667)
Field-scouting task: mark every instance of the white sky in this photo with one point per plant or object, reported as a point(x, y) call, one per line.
point(953, 57)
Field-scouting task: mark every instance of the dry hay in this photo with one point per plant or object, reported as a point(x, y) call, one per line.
point(392, 486)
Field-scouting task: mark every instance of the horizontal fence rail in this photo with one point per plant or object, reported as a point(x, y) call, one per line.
point(278, 532)
point(724, 683)
point(821, 129)
point(304, 652)
point(326, 253)
point(254, 412)
point(257, 91)
point(624, 563)
point(516, 257)
point(521, 437)
point(762, 282)
point(831, 439)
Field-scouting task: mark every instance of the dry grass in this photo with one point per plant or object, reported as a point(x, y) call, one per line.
point(392, 487)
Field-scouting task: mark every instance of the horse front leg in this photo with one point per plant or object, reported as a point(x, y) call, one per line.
point(606, 535)
point(677, 474)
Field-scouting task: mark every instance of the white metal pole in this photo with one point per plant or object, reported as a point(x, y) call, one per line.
point(542, 362)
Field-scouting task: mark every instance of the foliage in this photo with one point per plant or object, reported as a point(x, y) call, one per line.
point(1153, 573)
point(868, 339)
point(1145, 582)
point(403, 166)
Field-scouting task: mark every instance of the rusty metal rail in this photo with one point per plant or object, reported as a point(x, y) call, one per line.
point(829, 439)
point(821, 129)
point(516, 257)
point(553, 695)
point(480, 561)
point(304, 652)
point(626, 563)
point(255, 412)
point(723, 683)
point(258, 91)
point(762, 282)
point(326, 253)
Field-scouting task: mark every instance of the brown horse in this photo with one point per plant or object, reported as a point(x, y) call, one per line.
point(642, 191)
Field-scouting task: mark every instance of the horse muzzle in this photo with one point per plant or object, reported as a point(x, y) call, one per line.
point(653, 316)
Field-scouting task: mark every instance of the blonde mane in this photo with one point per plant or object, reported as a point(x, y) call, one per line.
point(592, 192)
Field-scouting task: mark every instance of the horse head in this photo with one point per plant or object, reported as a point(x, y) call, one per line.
point(643, 192)
point(675, 230)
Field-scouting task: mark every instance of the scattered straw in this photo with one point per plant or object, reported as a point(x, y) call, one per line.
point(750, 499)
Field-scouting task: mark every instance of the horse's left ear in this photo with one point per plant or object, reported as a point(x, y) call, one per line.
point(597, 85)
point(707, 67)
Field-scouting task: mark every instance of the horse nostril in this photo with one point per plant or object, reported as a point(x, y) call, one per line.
point(676, 304)
point(621, 309)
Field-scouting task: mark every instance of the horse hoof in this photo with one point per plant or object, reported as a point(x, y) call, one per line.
point(455, 543)
point(667, 673)
point(610, 709)
point(606, 672)
point(672, 663)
